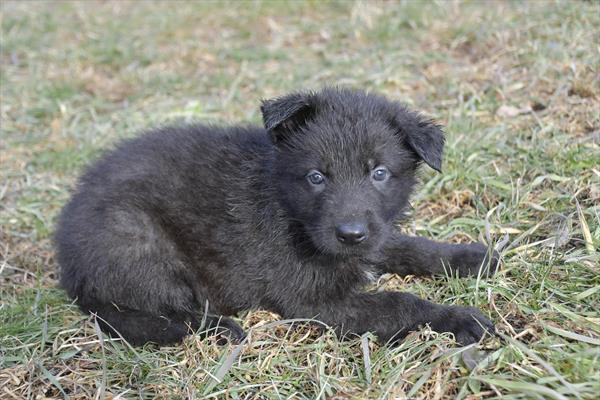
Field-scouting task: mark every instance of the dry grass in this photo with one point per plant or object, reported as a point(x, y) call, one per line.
point(517, 86)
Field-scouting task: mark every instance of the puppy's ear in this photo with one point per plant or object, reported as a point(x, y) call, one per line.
point(423, 136)
point(283, 115)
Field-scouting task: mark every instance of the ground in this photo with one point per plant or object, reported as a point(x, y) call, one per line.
point(515, 84)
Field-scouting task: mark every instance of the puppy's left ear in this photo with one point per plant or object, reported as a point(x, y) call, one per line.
point(423, 135)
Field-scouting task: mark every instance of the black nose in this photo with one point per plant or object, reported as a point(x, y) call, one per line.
point(351, 233)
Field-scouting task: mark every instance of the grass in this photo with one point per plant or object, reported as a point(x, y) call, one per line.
point(516, 85)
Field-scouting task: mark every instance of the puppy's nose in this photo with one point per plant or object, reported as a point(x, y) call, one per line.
point(351, 233)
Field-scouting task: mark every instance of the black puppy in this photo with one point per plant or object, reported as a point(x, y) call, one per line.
point(179, 227)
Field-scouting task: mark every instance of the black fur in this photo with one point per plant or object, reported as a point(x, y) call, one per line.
point(189, 219)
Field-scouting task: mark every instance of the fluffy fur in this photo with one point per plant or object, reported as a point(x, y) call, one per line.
point(185, 225)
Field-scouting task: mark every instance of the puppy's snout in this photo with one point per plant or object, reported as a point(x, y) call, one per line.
point(352, 233)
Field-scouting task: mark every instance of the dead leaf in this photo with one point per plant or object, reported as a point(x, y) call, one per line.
point(506, 111)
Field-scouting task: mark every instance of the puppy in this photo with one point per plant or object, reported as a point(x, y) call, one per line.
point(185, 225)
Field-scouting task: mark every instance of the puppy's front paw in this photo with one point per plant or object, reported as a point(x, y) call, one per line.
point(467, 324)
point(468, 259)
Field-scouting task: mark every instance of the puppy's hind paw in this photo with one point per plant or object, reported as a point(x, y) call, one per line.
point(224, 329)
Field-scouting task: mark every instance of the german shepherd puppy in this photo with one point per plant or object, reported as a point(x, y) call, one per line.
point(177, 229)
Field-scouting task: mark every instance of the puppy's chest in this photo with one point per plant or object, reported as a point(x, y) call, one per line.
point(370, 274)
point(361, 274)
point(340, 278)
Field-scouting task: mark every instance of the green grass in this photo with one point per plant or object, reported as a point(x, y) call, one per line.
point(78, 76)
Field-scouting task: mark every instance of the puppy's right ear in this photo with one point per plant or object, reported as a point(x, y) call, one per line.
point(284, 115)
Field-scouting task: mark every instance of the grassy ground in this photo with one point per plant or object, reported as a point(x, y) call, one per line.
point(517, 86)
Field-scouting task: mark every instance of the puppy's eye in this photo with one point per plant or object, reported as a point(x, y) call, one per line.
point(315, 177)
point(380, 174)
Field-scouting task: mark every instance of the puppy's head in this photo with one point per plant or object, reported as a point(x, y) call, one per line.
point(345, 164)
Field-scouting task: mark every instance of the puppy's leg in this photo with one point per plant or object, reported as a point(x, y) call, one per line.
point(408, 255)
point(159, 307)
point(392, 315)
point(136, 278)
